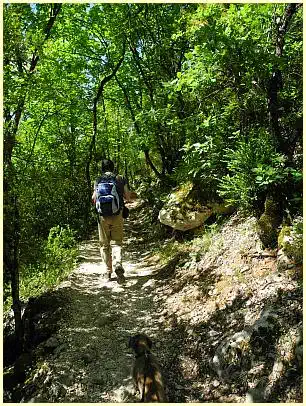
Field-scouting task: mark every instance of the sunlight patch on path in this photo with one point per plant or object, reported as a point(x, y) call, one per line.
point(103, 314)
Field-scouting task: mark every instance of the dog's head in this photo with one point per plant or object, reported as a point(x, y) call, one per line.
point(140, 343)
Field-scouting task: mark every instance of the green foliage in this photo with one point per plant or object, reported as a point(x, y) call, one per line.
point(201, 243)
point(191, 93)
point(60, 238)
point(58, 259)
point(55, 260)
point(253, 168)
point(224, 77)
point(202, 163)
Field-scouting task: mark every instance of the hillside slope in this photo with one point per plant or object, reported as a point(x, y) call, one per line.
point(225, 319)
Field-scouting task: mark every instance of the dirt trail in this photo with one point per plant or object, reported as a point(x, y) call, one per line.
point(92, 362)
point(189, 307)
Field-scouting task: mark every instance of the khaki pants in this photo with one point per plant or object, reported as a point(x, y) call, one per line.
point(110, 238)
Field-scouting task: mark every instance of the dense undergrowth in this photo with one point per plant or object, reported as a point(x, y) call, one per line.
point(55, 259)
point(209, 94)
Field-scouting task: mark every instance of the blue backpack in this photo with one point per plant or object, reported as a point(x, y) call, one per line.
point(107, 197)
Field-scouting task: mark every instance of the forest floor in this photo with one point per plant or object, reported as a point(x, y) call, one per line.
point(189, 304)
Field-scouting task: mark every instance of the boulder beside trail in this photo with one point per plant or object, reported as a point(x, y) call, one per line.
point(183, 221)
point(183, 211)
point(290, 243)
point(268, 223)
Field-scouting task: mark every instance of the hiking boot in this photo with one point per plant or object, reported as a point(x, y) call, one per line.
point(120, 273)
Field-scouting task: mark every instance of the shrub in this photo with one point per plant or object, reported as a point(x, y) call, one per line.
point(58, 259)
point(254, 169)
point(202, 165)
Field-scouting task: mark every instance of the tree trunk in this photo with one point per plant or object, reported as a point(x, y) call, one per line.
point(105, 80)
point(278, 194)
point(276, 81)
point(126, 174)
point(10, 185)
point(151, 165)
point(137, 129)
point(11, 226)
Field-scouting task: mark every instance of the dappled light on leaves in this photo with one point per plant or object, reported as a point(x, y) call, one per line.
point(200, 108)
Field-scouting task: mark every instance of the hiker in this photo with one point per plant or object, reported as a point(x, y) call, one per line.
point(109, 193)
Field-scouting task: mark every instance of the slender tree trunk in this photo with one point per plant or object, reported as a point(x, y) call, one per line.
point(11, 222)
point(276, 81)
point(103, 82)
point(278, 194)
point(11, 227)
point(138, 132)
point(151, 165)
point(159, 132)
point(107, 150)
point(126, 173)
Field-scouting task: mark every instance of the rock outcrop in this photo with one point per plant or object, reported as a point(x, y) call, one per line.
point(183, 211)
point(238, 352)
point(268, 223)
point(290, 241)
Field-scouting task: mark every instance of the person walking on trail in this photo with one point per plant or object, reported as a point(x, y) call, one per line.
point(109, 193)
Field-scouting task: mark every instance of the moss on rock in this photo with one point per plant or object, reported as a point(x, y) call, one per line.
point(268, 223)
point(290, 240)
point(285, 232)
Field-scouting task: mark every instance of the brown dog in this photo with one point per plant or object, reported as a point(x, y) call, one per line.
point(146, 370)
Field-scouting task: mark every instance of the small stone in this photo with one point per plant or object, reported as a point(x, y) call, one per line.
point(149, 283)
point(278, 367)
point(213, 333)
point(47, 380)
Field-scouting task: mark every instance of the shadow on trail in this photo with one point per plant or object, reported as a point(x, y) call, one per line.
point(85, 354)
point(189, 351)
point(78, 335)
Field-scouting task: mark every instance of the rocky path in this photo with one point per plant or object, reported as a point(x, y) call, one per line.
point(224, 325)
point(91, 361)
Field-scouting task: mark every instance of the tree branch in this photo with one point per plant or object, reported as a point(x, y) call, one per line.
point(103, 82)
point(55, 9)
point(276, 82)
